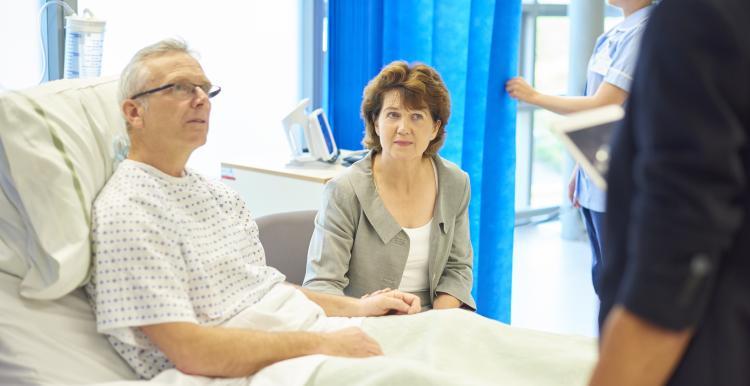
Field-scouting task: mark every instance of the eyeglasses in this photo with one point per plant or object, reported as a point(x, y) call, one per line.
point(183, 90)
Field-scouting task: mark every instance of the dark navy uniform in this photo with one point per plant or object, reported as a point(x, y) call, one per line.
point(678, 223)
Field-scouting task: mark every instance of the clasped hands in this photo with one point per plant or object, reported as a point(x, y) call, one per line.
point(389, 302)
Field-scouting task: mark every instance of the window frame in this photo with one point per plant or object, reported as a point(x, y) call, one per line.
point(531, 10)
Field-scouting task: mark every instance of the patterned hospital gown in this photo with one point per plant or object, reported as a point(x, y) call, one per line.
point(170, 249)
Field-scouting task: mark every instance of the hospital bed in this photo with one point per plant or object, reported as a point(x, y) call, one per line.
point(58, 145)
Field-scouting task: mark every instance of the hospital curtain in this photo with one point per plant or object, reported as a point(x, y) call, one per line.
point(474, 45)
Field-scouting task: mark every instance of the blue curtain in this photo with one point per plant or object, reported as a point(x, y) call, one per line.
point(474, 45)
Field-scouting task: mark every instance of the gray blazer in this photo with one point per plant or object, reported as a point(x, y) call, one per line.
point(358, 247)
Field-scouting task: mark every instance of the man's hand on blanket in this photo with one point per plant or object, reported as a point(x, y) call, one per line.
point(387, 301)
point(350, 342)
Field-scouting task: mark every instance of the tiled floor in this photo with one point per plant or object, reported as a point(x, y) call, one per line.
point(552, 282)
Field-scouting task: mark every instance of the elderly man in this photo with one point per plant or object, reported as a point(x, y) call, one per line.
point(179, 276)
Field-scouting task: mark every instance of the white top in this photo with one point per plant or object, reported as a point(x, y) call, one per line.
point(416, 275)
point(170, 249)
point(415, 278)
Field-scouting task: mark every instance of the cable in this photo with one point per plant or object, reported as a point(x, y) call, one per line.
point(41, 33)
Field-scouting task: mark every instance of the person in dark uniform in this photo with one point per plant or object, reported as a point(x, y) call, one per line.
point(676, 287)
point(676, 283)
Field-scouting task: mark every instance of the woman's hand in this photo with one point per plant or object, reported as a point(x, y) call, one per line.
point(384, 290)
point(389, 301)
point(519, 89)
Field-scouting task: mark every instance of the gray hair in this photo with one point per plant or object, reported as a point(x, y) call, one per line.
point(135, 75)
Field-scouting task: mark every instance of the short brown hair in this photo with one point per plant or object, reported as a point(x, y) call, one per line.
point(420, 87)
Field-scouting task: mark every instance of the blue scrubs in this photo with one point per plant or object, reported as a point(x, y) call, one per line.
point(613, 61)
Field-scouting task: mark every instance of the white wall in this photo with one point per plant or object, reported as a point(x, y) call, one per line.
point(20, 49)
point(250, 48)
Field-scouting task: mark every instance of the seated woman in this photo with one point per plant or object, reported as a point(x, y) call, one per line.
point(398, 218)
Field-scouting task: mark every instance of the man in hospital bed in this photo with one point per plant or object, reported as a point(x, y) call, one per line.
point(179, 277)
point(177, 257)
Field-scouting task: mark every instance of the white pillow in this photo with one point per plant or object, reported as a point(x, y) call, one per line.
point(53, 342)
point(12, 239)
point(58, 145)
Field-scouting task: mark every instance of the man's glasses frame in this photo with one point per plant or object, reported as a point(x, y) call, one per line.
point(185, 89)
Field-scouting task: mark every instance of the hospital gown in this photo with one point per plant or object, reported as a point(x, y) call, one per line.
point(170, 249)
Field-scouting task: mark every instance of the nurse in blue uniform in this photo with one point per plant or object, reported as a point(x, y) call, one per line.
point(610, 73)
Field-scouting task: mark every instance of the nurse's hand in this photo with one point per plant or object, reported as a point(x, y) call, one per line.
point(572, 189)
point(519, 89)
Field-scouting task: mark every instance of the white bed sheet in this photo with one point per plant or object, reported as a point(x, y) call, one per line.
point(55, 343)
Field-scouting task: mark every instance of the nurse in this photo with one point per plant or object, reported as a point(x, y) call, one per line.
point(610, 74)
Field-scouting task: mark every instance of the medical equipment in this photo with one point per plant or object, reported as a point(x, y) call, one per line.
point(587, 135)
point(354, 156)
point(84, 38)
point(309, 135)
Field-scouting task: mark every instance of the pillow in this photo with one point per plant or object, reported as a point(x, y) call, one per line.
point(12, 238)
point(53, 342)
point(10, 260)
point(56, 153)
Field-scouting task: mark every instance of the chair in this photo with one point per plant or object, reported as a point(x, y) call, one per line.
point(285, 238)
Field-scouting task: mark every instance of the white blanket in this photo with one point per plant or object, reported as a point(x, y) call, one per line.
point(456, 347)
point(433, 348)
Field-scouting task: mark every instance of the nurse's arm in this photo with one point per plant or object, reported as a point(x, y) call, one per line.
point(636, 352)
point(606, 94)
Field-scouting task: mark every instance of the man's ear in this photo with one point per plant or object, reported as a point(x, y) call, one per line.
point(133, 113)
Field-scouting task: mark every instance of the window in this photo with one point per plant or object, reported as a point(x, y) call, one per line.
point(551, 77)
point(252, 49)
point(541, 176)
